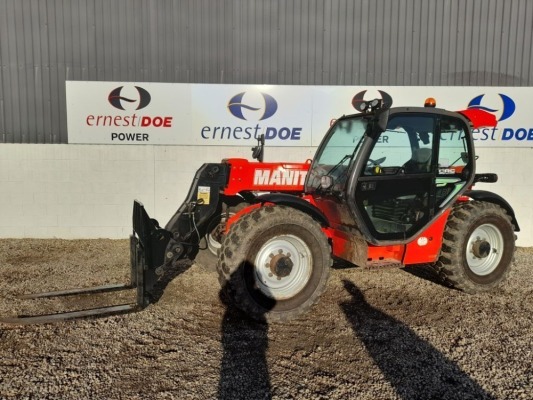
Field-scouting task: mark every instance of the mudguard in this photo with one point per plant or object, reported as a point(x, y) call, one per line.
point(296, 202)
point(490, 197)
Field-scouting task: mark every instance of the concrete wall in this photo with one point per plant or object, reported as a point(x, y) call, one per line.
point(86, 191)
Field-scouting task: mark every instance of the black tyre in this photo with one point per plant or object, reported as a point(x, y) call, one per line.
point(274, 263)
point(478, 247)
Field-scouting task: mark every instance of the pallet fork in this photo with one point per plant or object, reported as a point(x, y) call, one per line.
point(146, 243)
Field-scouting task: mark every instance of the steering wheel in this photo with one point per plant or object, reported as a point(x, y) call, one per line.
point(377, 162)
point(373, 167)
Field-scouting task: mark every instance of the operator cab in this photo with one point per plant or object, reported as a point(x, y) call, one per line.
point(390, 172)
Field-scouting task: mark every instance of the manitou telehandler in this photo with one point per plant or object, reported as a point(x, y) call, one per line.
point(387, 187)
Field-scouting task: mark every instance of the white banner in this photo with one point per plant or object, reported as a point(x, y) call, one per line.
point(237, 114)
point(208, 114)
point(128, 113)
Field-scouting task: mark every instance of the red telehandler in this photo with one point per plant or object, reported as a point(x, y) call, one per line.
point(387, 187)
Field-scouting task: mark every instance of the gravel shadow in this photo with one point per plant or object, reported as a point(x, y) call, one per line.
point(244, 369)
point(169, 274)
point(414, 368)
point(426, 272)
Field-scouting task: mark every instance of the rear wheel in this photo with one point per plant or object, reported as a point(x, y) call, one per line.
point(274, 263)
point(208, 255)
point(478, 247)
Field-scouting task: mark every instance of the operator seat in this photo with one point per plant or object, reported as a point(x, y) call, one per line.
point(419, 162)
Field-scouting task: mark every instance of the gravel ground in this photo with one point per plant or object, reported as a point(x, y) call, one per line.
point(376, 334)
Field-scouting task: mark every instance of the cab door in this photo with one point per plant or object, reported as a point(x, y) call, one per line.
point(396, 185)
point(455, 162)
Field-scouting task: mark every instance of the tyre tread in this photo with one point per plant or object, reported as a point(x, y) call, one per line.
point(450, 266)
point(234, 252)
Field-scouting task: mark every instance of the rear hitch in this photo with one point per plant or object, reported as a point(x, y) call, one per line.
point(147, 249)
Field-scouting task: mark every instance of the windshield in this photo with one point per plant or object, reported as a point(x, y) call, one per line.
point(338, 151)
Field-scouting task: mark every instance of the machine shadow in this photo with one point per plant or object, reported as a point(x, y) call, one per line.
point(426, 272)
point(169, 274)
point(244, 369)
point(414, 368)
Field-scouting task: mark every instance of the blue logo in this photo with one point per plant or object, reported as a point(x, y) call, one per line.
point(235, 106)
point(508, 106)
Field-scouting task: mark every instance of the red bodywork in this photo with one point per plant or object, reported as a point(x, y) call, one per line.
point(479, 118)
point(265, 177)
point(290, 177)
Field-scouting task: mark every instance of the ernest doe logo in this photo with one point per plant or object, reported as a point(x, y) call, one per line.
point(129, 126)
point(504, 111)
point(508, 104)
point(251, 107)
point(117, 101)
point(236, 106)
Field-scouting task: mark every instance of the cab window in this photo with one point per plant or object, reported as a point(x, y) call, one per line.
point(406, 146)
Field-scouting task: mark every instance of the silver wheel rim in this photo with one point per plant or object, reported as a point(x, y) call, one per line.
point(212, 243)
point(485, 265)
point(283, 287)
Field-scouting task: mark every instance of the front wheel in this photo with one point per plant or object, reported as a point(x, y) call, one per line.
point(478, 247)
point(274, 263)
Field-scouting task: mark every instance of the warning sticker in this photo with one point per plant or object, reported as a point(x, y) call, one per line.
point(204, 193)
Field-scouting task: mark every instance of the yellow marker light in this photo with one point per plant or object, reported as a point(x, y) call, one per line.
point(430, 102)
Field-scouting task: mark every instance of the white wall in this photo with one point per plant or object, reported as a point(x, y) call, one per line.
point(87, 191)
point(515, 183)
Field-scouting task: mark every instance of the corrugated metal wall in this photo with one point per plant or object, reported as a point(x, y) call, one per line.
point(316, 42)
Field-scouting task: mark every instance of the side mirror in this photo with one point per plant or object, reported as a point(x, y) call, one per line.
point(258, 151)
point(486, 178)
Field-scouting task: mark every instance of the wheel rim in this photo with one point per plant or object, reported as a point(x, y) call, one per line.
point(484, 249)
point(215, 235)
point(213, 240)
point(283, 267)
